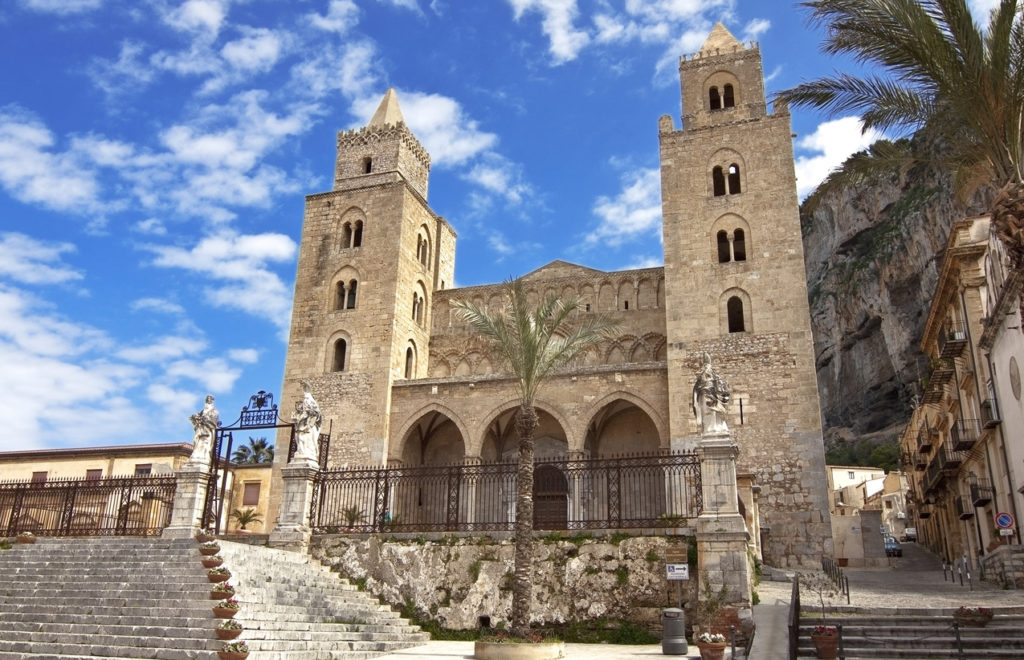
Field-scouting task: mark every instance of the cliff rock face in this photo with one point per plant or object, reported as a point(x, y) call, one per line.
point(872, 256)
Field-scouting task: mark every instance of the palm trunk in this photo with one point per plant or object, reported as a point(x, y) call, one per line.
point(522, 587)
point(1008, 221)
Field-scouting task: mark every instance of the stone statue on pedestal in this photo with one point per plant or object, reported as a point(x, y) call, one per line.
point(710, 398)
point(204, 425)
point(307, 420)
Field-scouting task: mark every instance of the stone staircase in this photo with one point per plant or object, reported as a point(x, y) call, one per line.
point(918, 634)
point(150, 598)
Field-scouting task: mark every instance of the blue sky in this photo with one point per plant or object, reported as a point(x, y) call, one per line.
point(154, 156)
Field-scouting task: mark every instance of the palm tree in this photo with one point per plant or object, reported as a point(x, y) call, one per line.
point(258, 451)
point(246, 517)
point(533, 341)
point(936, 69)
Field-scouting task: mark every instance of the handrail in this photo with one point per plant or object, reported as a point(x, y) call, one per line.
point(794, 618)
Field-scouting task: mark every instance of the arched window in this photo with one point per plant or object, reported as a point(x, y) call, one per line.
point(419, 309)
point(346, 235)
point(739, 246)
point(351, 304)
point(367, 165)
point(410, 362)
point(340, 348)
point(357, 236)
point(734, 179)
point(718, 181)
point(714, 99)
point(723, 247)
point(415, 306)
point(339, 296)
point(419, 249)
point(734, 309)
point(729, 99)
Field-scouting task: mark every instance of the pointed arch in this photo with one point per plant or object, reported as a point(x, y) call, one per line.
point(735, 312)
point(428, 415)
point(593, 415)
point(541, 405)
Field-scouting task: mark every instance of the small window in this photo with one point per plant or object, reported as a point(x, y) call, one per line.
point(351, 304)
point(346, 235)
point(888, 504)
point(625, 304)
point(357, 236)
point(734, 310)
point(340, 348)
point(739, 246)
point(93, 475)
point(722, 238)
point(734, 179)
point(587, 307)
point(850, 475)
point(367, 165)
point(251, 494)
point(729, 98)
point(39, 477)
point(409, 366)
point(718, 181)
point(714, 99)
point(143, 468)
point(339, 296)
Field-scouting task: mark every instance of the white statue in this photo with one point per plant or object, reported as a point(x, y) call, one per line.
point(204, 425)
point(307, 420)
point(710, 398)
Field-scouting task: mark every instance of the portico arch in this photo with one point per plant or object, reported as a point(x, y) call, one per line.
point(619, 412)
point(500, 423)
point(433, 422)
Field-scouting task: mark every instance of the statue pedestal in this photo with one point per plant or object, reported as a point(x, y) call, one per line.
point(189, 497)
point(292, 531)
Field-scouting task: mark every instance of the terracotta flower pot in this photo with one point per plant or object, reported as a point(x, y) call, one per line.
point(971, 620)
point(228, 633)
point(210, 562)
point(826, 644)
point(204, 538)
point(711, 650)
point(218, 577)
point(224, 612)
point(26, 539)
point(232, 655)
point(220, 595)
point(209, 551)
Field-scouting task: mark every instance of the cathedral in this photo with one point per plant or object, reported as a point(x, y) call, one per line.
point(401, 381)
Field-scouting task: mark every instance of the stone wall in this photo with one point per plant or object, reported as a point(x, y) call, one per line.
point(1005, 565)
point(454, 581)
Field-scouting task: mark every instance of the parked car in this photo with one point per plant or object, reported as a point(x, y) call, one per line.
point(893, 547)
point(909, 534)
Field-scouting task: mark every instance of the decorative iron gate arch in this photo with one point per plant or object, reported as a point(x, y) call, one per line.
point(259, 413)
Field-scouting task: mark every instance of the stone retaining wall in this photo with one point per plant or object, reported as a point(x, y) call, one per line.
point(1005, 565)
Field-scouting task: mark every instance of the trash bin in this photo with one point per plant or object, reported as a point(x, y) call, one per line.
point(673, 632)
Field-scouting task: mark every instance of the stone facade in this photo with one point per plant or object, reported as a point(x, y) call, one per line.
point(401, 381)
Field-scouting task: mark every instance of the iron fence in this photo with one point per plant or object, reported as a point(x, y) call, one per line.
point(658, 490)
point(114, 506)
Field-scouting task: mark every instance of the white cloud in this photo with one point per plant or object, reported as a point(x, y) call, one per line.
point(204, 16)
point(237, 270)
point(158, 305)
point(214, 374)
point(827, 148)
point(246, 355)
point(501, 177)
point(163, 349)
point(981, 9)
point(635, 212)
point(150, 226)
point(557, 17)
point(411, 5)
point(755, 28)
point(62, 6)
point(341, 16)
point(258, 50)
point(129, 72)
point(30, 261)
point(350, 70)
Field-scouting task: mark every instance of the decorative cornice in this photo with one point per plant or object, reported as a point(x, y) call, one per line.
point(368, 135)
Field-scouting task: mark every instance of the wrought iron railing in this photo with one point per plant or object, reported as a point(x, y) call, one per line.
point(658, 490)
point(115, 506)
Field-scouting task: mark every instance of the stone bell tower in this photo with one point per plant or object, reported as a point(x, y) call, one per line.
point(371, 256)
point(736, 288)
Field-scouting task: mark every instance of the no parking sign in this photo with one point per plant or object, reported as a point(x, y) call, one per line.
point(1004, 521)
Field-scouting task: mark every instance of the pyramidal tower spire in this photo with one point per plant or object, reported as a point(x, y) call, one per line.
point(388, 112)
point(720, 40)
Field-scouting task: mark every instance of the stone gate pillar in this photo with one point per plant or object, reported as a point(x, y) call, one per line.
point(292, 530)
point(189, 498)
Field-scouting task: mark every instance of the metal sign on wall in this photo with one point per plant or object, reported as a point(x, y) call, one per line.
point(677, 571)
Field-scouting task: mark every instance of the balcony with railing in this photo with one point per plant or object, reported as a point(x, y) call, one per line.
point(964, 508)
point(949, 460)
point(981, 492)
point(934, 477)
point(924, 511)
point(919, 461)
point(989, 414)
point(952, 339)
point(924, 439)
point(964, 434)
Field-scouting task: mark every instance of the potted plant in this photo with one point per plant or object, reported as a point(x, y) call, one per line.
point(973, 617)
point(218, 574)
point(209, 548)
point(226, 609)
point(205, 535)
point(212, 561)
point(708, 609)
point(229, 629)
point(353, 516)
point(222, 590)
point(26, 537)
point(234, 651)
point(824, 637)
point(711, 646)
point(246, 517)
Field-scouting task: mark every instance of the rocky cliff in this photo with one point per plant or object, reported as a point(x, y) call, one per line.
point(873, 249)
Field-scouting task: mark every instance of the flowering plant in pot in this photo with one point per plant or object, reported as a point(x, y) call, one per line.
point(825, 637)
point(212, 561)
point(975, 617)
point(209, 548)
point(234, 651)
point(222, 590)
point(229, 629)
point(218, 574)
point(226, 609)
point(26, 537)
point(205, 535)
point(711, 646)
